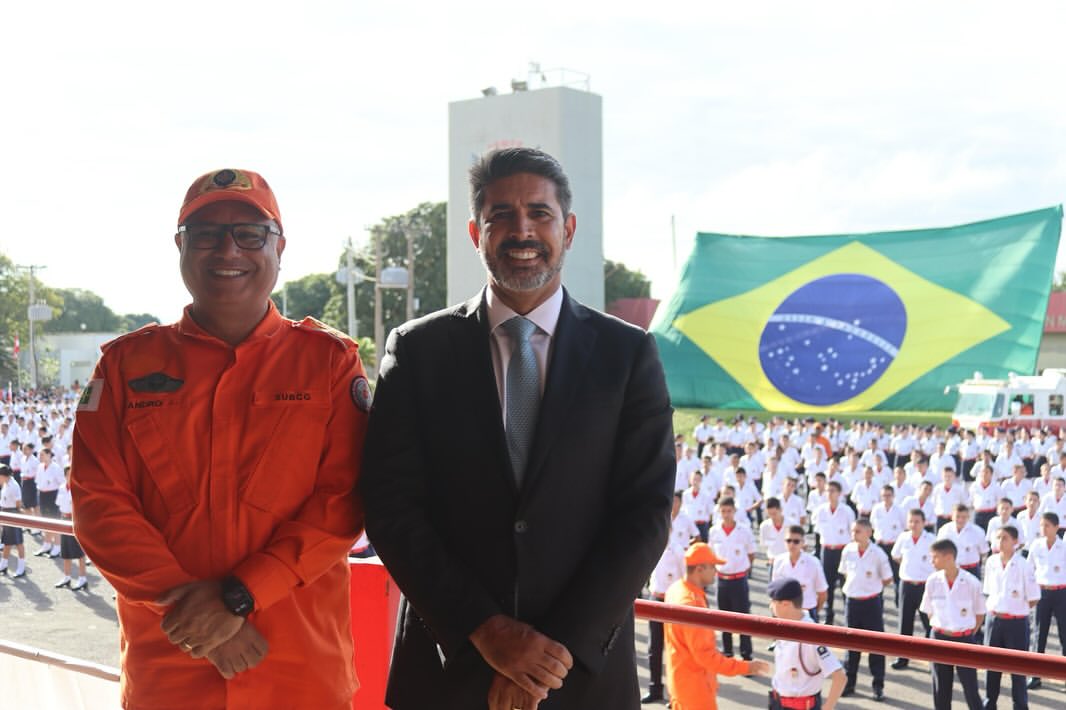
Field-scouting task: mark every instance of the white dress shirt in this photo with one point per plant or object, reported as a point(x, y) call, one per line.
point(670, 568)
point(970, 542)
point(985, 498)
point(865, 572)
point(807, 571)
point(1010, 587)
point(834, 526)
point(1049, 563)
point(10, 494)
point(888, 523)
point(944, 498)
point(772, 538)
point(914, 556)
point(734, 547)
point(953, 608)
point(801, 668)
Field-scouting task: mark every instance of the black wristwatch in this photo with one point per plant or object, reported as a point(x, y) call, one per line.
point(236, 597)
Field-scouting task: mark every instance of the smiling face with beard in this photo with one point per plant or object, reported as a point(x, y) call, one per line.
point(522, 237)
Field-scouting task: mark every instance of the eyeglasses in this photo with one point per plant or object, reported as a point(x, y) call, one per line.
point(209, 236)
point(794, 541)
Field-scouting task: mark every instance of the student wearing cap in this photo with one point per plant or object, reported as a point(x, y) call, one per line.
point(734, 544)
point(866, 571)
point(1011, 590)
point(1047, 555)
point(693, 662)
point(832, 522)
point(956, 609)
point(911, 554)
point(796, 563)
point(213, 466)
point(800, 669)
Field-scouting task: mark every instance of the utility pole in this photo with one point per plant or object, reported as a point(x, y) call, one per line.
point(379, 326)
point(353, 324)
point(33, 314)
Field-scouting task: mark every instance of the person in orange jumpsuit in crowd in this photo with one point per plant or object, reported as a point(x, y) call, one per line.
point(213, 468)
point(693, 662)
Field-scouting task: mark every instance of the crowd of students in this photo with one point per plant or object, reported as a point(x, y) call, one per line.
point(35, 438)
point(900, 513)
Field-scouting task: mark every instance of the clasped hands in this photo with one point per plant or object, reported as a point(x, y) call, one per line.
point(200, 625)
point(527, 663)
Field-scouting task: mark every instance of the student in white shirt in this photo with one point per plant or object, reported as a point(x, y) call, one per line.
point(867, 572)
point(1029, 520)
point(984, 496)
point(1010, 585)
point(889, 521)
point(736, 545)
point(1003, 518)
point(792, 505)
point(697, 503)
point(816, 496)
point(1043, 483)
point(1055, 502)
point(773, 531)
point(832, 522)
point(1047, 555)
point(796, 563)
point(1016, 488)
point(69, 548)
point(970, 544)
point(946, 495)
point(956, 609)
point(900, 485)
point(911, 554)
point(11, 535)
point(800, 669)
point(746, 497)
point(683, 529)
point(865, 493)
point(924, 501)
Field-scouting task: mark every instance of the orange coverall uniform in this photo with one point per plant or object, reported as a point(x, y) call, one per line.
point(194, 460)
point(692, 658)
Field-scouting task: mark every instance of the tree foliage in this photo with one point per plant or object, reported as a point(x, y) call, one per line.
point(82, 310)
point(1059, 284)
point(621, 282)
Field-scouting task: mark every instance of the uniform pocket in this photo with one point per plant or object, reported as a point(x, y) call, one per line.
point(154, 450)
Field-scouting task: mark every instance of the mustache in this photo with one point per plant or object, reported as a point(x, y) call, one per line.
point(517, 245)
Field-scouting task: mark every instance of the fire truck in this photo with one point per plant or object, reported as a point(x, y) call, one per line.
point(1017, 401)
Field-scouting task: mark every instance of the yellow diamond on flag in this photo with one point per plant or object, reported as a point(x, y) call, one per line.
point(843, 332)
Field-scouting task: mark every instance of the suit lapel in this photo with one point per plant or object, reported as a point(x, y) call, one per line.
point(571, 355)
point(470, 343)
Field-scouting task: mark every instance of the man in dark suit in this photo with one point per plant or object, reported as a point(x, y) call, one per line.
point(518, 474)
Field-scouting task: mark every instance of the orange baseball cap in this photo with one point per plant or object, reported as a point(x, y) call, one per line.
point(230, 184)
point(700, 553)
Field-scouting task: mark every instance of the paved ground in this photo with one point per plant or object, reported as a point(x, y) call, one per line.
point(84, 625)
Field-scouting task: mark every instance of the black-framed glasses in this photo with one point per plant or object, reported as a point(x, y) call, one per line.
point(209, 236)
point(794, 541)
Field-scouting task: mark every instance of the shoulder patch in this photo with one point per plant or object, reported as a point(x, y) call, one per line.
point(143, 330)
point(362, 397)
point(90, 396)
point(314, 325)
point(823, 652)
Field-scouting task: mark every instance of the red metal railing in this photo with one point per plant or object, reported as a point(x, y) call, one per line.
point(912, 647)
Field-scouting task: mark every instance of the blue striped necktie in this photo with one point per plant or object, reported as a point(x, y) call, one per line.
point(521, 394)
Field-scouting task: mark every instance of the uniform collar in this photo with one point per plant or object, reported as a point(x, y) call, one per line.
point(267, 327)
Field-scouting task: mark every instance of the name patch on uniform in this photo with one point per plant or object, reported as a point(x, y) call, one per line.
point(361, 395)
point(292, 397)
point(156, 382)
point(143, 403)
point(90, 396)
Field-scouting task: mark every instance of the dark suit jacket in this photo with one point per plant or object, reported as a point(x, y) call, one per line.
point(568, 553)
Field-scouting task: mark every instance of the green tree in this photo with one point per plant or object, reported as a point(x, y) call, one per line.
point(133, 321)
point(1059, 284)
point(621, 282)
point(82, 310)
point(14, 299)
point(306, 296)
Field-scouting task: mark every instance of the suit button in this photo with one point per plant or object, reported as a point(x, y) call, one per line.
point(520, 526)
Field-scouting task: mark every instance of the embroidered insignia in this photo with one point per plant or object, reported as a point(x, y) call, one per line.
point(361, 395)
point(90, 396)
point(156, 382)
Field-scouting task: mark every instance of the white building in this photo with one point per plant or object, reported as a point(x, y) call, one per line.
point(562, 121)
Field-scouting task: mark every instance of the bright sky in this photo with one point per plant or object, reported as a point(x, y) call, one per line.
point(760, 118)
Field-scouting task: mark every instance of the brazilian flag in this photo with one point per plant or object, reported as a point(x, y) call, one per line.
point(855, 322)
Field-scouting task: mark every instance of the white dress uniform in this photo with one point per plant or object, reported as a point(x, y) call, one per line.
point(670, 568)
point(1028, 526)
point(733, 547)
point(834, 526)
point(953, 609)
point(926, 507)
point(1050, 504)
point(10, 495)
point(682, 530)
point(1010, 587)
point(888, 523)
point(865, 495)
point(1043, 486)
point(1049, 563)
point(807, 571)
point(772, 538)
point(801, 668)
point(697, 506)
point(746, 497)
point(903, 491)
point(970, 542)
point(793, 509)
point(1016, 491)
point(994, 526)
point(915, 559)
point(865, 573)
point(984, 499)
point(814, 501)
point(944, 498)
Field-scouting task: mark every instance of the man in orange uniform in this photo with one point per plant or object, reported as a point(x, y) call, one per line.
point(213, 467)
point(692, 658)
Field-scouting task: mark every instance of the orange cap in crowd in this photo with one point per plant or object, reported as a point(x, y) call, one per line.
point(229, 184)
point(700, 553)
